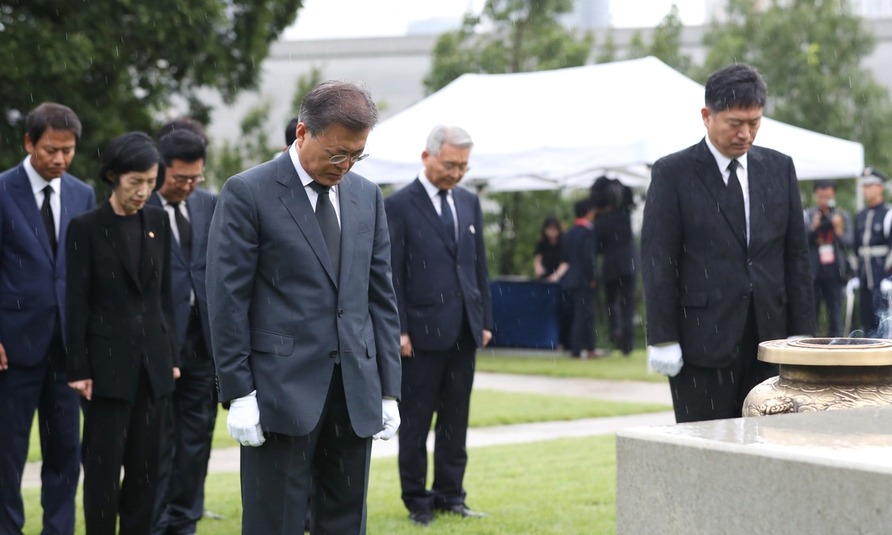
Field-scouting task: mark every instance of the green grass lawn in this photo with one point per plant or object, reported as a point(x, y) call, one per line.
point(559, 487)
point(556, 364)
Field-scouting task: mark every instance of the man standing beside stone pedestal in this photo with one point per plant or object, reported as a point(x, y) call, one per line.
point(873, 244)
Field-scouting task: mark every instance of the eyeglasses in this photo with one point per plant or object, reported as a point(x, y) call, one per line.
point(337, 159)
point(452, 166)
point(188, 180)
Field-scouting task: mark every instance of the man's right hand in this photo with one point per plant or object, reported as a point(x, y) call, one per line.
point(4, 363)
point(666, 359)
point(405, 346)
point(243, 421)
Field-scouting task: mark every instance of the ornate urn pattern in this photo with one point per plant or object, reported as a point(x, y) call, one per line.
point(820, 374)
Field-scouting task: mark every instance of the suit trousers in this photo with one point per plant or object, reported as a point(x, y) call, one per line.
point(829, 290)
point(277, 477)
point(120, 433)
point(41, 388)
point(186, 446)
point(582, 328)
point(620, 294)
point(874, 311)
point(441, 382)
point(700, 393)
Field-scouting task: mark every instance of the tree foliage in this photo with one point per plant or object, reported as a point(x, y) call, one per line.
point(665, 44)
point(508, 36)
point(810, 53)
point(118, 62)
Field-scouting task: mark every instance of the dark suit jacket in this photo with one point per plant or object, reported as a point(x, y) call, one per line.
point(32, 281)
point(616, 244)
point(119, 318)
point(189, 277)
point(278, 315)
point(578, 249)
point(437, 283)
point(699, 276)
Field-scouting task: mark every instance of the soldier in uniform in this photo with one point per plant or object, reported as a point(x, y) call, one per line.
point(873, 239)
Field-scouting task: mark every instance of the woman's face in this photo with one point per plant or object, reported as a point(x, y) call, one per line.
point(133, 190)
point(552, 233)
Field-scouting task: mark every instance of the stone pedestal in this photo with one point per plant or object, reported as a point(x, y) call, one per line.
point(809, 473)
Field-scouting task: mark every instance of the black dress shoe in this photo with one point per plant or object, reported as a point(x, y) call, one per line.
point(421, 518)
point(463, 510)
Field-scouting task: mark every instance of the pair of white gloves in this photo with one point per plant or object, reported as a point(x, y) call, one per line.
point(855, 283)
point(243, 421)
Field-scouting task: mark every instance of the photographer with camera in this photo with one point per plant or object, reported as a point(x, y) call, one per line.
point(829, 235)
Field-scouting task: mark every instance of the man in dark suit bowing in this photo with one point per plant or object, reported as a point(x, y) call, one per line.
point(442, 286)
point(724, 255)
point(304, 323)
point(38, 200)
point(193, 407)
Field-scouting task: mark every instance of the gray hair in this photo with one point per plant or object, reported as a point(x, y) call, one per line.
point(336, 101)
point(452, 135)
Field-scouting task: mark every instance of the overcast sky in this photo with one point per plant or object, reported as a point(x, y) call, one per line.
point(331, 19)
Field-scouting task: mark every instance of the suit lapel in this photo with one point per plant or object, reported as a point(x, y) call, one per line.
point(116, 241)
point(294, 197)
point(426, 207)
point(24, 197)
point(708, 172)
point(757, 175)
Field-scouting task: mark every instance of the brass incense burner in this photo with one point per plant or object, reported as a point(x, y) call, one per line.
point(820, 374)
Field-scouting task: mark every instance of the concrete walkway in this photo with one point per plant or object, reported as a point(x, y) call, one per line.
point(227, 459)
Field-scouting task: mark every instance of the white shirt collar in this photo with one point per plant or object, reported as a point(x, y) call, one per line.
point(305, 177)
point(432, 191)
point(722, 160)
point(37, 181)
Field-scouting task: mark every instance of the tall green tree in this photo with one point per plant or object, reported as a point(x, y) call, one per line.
point(665, 43)
point(508, 36)
point(118, 62)
point(810, 53)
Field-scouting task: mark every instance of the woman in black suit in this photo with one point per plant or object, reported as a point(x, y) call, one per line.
point(121, 356)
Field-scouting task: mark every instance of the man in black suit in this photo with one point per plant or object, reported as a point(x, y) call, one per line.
point(578, 250)
point(724, 255)
point(38, 201)
point(193, 407)
point(442, 287)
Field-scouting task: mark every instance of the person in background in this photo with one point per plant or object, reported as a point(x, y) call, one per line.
point(619, 258)
point(122, 346)
point(193, 407)
point(290, 133)
point(442, 287)
point(724, 255)
point(304, 321)
point(829, 235)
point(578, 253)
point(547, 256)
point(873, 237)
point(38, 201)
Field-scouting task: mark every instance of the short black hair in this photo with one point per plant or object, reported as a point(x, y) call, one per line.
point(51, 115)
point(736, 86)
point(291, 131)
point(183, 123)
point(182, 145)
point(821, 184)
point(582, 208)
point(133, 151)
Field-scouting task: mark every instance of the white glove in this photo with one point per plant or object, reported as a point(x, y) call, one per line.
point(886, 286)
point(391, 415)
point(243, 421)
point(665, 360)
point(853, 284)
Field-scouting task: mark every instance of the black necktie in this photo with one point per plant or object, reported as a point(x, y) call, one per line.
point(737, 211)
point(46, 213)
point(446, 214)
point(328, 223)
point(184, 229)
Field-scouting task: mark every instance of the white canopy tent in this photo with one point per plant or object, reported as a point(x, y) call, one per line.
point(563, 128)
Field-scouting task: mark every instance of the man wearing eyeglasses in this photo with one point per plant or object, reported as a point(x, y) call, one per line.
point(304, 321)
point(187, 444)
point(442, 287)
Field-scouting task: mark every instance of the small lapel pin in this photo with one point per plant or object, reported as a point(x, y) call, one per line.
point(151, 234)
point(472, 230)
